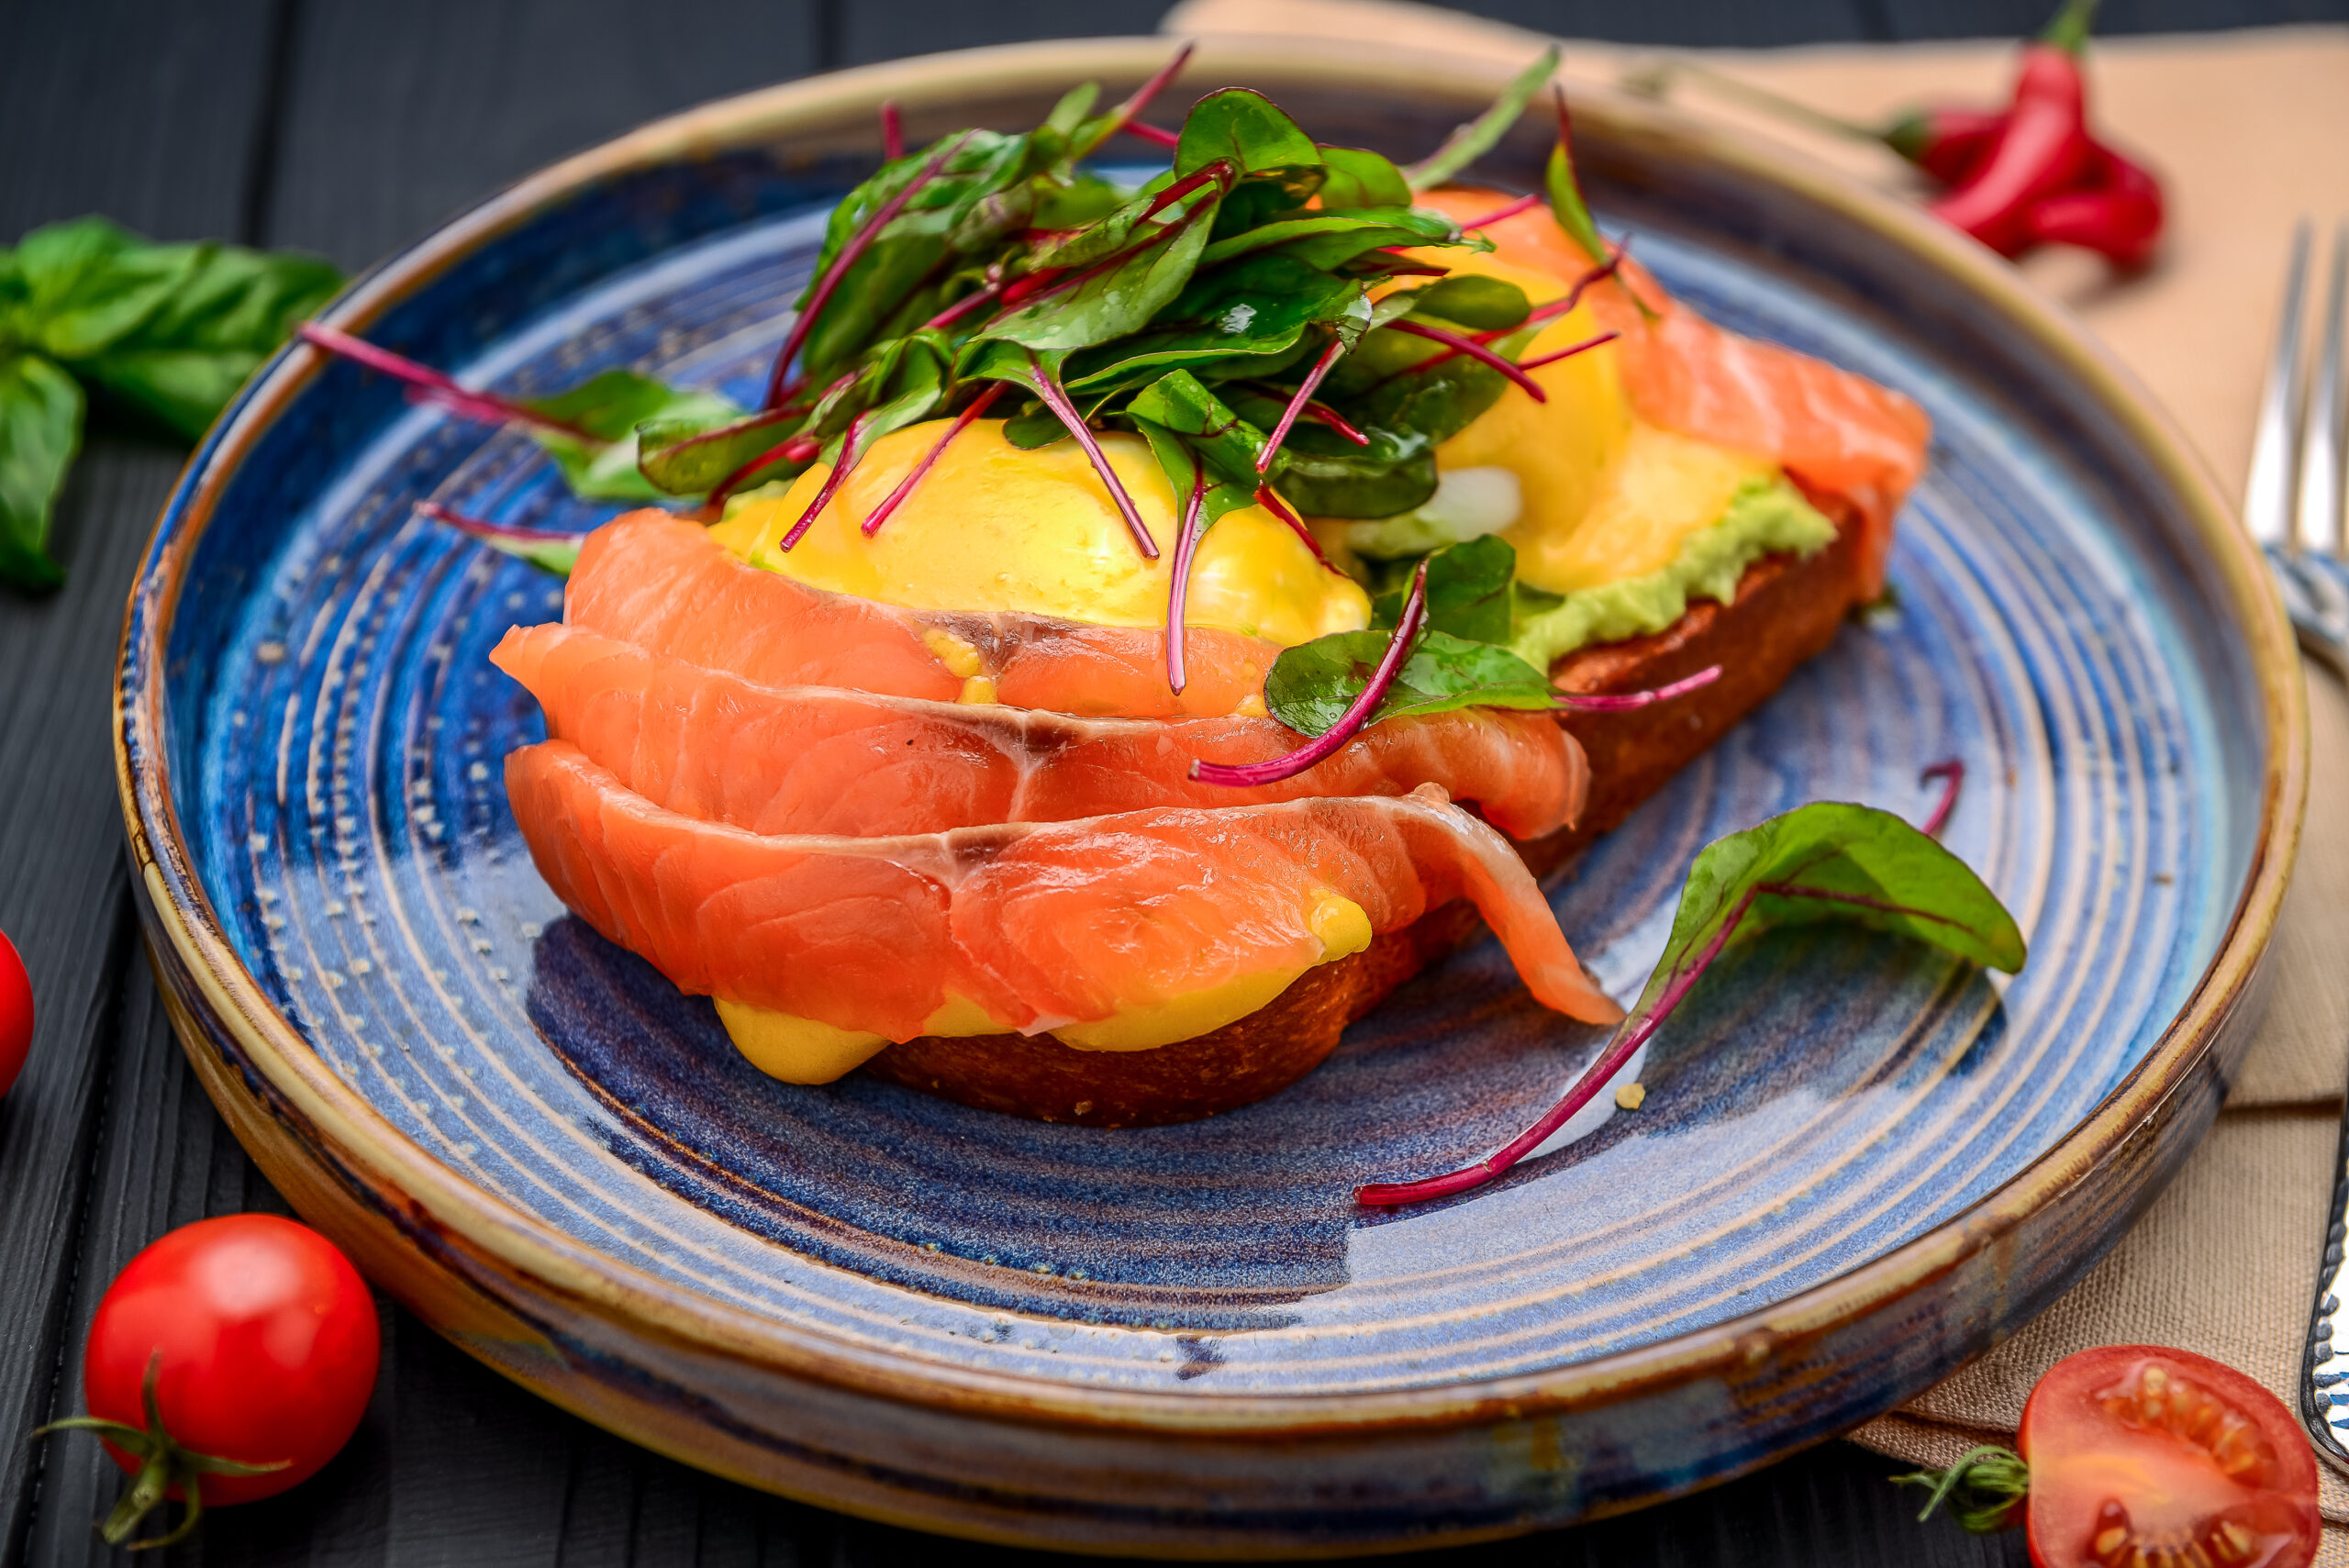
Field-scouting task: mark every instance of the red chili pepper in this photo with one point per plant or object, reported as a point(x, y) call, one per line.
point(2040, 149)
point(2116, 210)
point(1945, 141)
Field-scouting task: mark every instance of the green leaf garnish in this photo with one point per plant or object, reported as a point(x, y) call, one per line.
point(164, 334)
point(609, 408)
point(1246, 129)
point(40, 428)
point(1310, 686)
point(1481, 135)
point(1469, 591)
point(1827, 861)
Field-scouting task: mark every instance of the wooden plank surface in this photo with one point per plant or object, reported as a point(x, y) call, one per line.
point(349, 126)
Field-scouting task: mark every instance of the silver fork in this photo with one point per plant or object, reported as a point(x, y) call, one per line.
point(2293, 508)
point(2293, 503)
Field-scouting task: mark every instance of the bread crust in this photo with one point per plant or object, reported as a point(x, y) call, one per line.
point(1786, 610)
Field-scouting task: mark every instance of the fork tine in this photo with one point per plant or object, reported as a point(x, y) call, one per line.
point(2267, 498)
point(2320, 432)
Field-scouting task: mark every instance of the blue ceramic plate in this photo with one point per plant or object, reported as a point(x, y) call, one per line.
point(1858, 1162)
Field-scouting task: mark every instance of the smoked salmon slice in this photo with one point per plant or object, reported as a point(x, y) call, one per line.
point(1038, 925)
point(801, 759)
point(665, 586)
point(1837, 434)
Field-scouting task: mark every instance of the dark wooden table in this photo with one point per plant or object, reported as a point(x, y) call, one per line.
point(351, 126)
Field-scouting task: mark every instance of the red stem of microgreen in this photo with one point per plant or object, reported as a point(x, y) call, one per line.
point(728, 432)
point(1583, 284)
point(433, 385)
point(1540, 313)
point(860, 242)
point(1297, 404)
point(1055, 399)
point(1336, 421)
point(1214, 174)
point(1619, 702)
point(1954, 771)
point(793, 449)
point(1569, 351)
point(1475, 350)
point(1054, 280)
point(1522, 204)
point(1157, 136)
point(1277, 508)
point(481, 529)
point(893, 131)
point(1351, 722)
point(850, 453)
point(1140, 98)
point(1178, 591)
point(1389, 1194)
point(964, 306)
point(906, 486)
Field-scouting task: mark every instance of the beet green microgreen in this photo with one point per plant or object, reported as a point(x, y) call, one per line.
point(1827, 861)
point(1272, 315)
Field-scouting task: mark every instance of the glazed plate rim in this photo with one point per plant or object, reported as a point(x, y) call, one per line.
point(816, 110)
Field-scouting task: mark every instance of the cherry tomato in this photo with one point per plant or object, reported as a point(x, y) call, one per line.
point(2141, 1456)
point(254, 1343)
point(16, 1014)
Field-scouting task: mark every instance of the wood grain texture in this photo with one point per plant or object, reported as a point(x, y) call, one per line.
point(350, 125)
point(401, 114)
point(176, 163)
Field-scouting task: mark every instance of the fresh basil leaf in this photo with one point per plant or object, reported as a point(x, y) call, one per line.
point(1310, 686)
point(1468, 592)
point(1179, 403)
point(1112, 299)
point(1481, 135)
point(90, 283)
point(1328, 239)
point(180, 366)
point(1244, 127)
point(610, 407)
point(1254, 309)
point(1854, 863)
point(1359, 178)
point(1478, 304)
point(40, 428)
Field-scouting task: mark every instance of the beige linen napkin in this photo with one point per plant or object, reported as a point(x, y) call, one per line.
point(2248, 130)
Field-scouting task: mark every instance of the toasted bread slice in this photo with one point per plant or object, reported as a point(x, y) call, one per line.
point(1786, 610)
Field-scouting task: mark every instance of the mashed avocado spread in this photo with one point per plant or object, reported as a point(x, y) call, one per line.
point(1765, 517)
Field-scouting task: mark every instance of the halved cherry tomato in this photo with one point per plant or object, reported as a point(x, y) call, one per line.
point(2142, 1456)
point(16, 1014)
point(228, 1361)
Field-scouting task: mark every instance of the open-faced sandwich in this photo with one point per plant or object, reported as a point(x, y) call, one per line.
point(1143, 628)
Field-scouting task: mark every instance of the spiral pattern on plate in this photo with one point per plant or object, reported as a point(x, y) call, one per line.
point(1827, 1095)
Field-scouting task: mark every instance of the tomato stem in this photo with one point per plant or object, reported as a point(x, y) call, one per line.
point(162, 1464)
point(1983, 1489)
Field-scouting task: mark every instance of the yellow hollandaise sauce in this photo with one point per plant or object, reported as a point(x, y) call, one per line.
point(803, 1050)
point(994, 527)
point(1622, 521)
